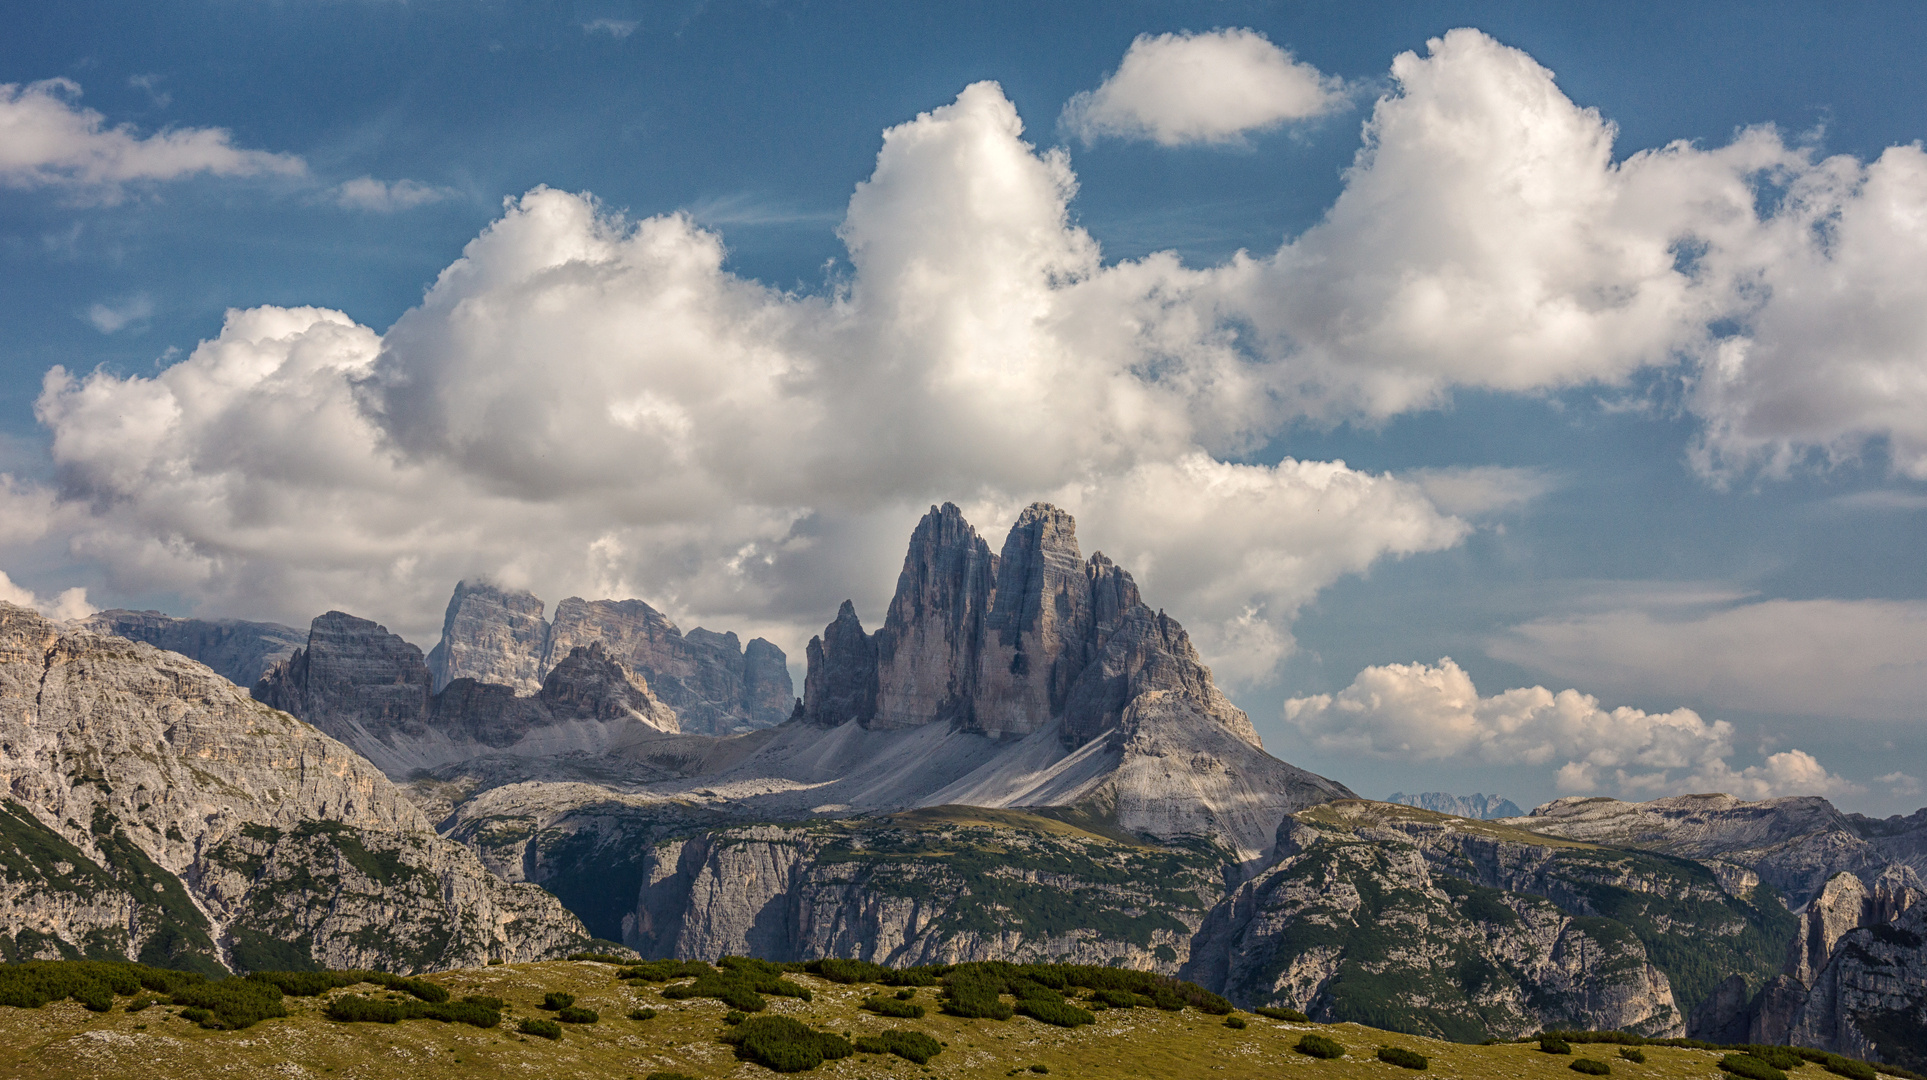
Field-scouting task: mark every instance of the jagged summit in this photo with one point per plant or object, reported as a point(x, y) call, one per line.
point(715, 683)
point(1007, 644)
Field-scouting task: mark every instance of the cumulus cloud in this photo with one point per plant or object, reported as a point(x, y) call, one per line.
point(1838, 658)
point(1433, 712)
point(588, 404)
point(70, 604)
point(1201, 88)
point(380, 196)
point(47, 139)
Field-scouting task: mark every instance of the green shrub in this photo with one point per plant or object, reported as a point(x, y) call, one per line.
point(734, 1017)
point(35, 983)
point(782, 1044)
point(1858, 1070)
point(912, 1046)
point(1590, 1066)
point(1780, 1057)
point(235, 1003)
point(973, 996)
point(1750, 1067)
point(739, 984)
point(642, 1014)
point(546, 1029)
point(555, 1000)
point(1638, 1057)
point(576, 1014)
point(1116, 999)
point(1059, 1013)
point(143, 1002)
point(1319, 1047)
point(600, 957)
point(199, 1016)
point(1403, 1058)
point(1236, 1022)
point(485, 1001)
point(1552, 1044)
point(358, 1008)
point(1040, 1070)
point(883, 1006)
point(906, 995)
point(1293, 1015)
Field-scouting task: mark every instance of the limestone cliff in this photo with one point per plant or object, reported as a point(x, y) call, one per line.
point(153, 811)
point(240, 651)
point(1011, 644)
point(371, 690)
point(715, 684)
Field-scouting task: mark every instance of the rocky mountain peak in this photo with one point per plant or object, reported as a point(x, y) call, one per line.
point(715, 684)
point(1008, 645)
point(492, 635)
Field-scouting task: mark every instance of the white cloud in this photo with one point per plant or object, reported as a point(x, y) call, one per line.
point(70, 604)
point(592, 404)
point(1201, 88)
point(1900, 785)
point(615, 28)
point(586, 404)
point(1433, 712)
point(112, 318)
point(368, 193)
point(47, 139)
point(1864, 659)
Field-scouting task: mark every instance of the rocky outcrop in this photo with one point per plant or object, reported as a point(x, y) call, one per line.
point(1481, 806)
point(1363, 921)
point(1010, 645)
point(491, 635)
point(715, 684)
point(370, 689)
point(1794, 844)
point(154, 811)
point(1870, 1001)
point(240, 651)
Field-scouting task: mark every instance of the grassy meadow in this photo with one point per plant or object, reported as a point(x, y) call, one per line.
point(65, 1040)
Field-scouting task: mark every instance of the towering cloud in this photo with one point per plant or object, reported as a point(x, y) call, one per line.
point(584, 403)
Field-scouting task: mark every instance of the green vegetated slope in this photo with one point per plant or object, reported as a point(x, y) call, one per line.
point(609, 1026)
point(1410, 920)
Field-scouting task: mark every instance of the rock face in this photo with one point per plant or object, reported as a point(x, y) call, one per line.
point(1481, 806)
point(1795, 845)
point(1870, 1001)
point(153, 811)
point(714, 683)
point(371, 689)
point(1009, 645)
point(240, 651)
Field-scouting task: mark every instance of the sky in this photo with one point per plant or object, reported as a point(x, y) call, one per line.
point(1527, 398)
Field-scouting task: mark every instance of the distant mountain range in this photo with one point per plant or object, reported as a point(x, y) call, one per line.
point(1484, 807)
point(1023, 761)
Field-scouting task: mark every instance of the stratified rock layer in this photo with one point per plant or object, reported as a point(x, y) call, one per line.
point(154, 811)
point(371, 689)
point(240, 651)
point(715, 684)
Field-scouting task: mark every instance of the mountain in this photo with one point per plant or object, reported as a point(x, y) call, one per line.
point(154, 811)
point(1484, 807)
point(240, 651)
point(371, 689)
point(715, 684)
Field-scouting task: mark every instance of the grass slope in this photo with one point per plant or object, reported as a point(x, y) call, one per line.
point(64, 1040)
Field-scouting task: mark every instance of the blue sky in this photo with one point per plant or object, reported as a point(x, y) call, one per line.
point(1550, 482)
